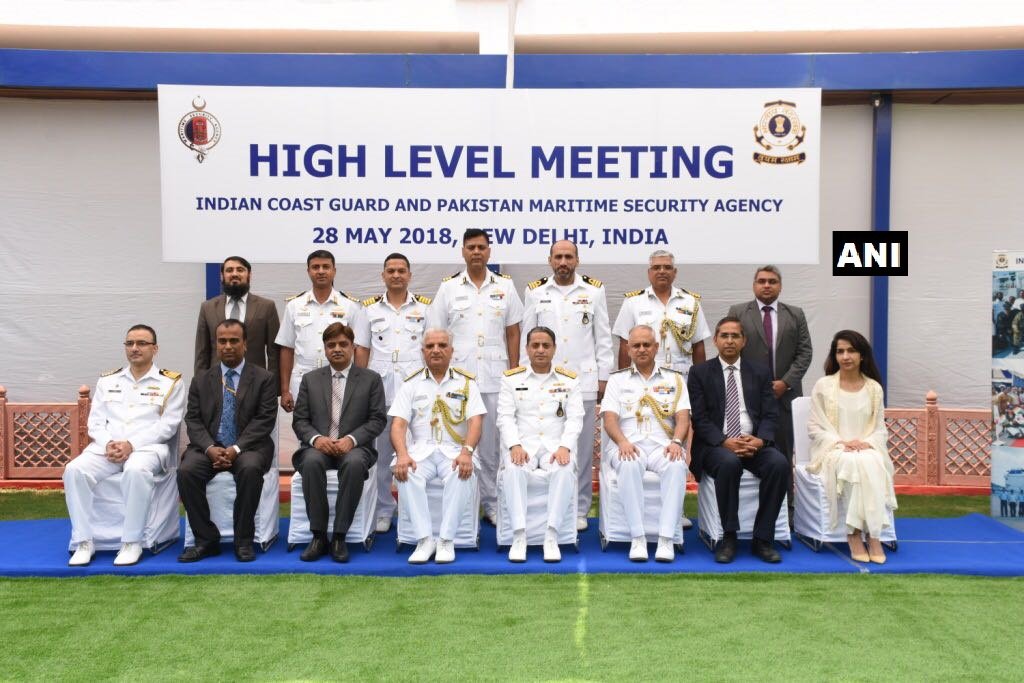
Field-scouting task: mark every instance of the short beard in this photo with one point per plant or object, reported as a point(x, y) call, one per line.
point(235, 291)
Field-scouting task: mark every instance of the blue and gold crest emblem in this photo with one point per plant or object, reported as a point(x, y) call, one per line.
point(780, 130)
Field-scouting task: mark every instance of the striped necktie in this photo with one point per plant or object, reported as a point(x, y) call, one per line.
point(337, 395)
point(732, 404)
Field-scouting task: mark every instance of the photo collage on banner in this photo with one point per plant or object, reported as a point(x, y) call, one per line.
point(1008, 385)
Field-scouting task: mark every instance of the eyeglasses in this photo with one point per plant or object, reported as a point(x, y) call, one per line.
point(140, 344)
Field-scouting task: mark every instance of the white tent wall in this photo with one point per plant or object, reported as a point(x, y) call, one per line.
point(80, 251)
point(957, 189)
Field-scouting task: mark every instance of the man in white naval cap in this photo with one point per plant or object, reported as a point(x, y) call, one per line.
point(135, 411)
point(646, 412)
point(540, 414)
point(575, 307)
point(437, 419)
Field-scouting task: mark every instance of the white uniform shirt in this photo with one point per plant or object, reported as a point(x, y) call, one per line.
point(477, 319)
point(145, 412)
point(305, 321)
point(579, 316)
point(396, 339)
point(638, 422)
point(415, 404)
point(643, 307)
point(540, 412)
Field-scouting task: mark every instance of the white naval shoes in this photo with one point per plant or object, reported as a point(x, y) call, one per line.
point(445, 552)
point(517, 553)
point(424, 551)
point(687, 522)
point(638, 549)
point(552, 553)
point(383, 525)
point(581, 523)
point(83, 554)
point(666, 552)
point(129, 554)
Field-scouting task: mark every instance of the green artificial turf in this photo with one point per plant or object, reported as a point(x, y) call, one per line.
point(588, 627)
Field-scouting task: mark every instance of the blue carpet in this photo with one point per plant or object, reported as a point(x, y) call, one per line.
point(974, 544)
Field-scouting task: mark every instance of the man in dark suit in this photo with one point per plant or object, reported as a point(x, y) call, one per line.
point(339, 412)
point(734, 411)
point(777, 337)
point(232, 410)
point(236, 301)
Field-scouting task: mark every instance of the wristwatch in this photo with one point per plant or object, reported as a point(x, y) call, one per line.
point(677, 441)
point(469, 449)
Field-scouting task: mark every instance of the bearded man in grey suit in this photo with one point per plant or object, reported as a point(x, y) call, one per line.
point(777, 337)
point(339, 413)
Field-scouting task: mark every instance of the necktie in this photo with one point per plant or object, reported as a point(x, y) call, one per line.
point(769, 335)
point(732, 404)
point(228, 432)
point(236, 309)
point(337, 394)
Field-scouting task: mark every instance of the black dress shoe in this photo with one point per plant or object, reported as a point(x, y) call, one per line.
point(244, 552)
point(339, 549)
point(199, 552)
point(316, 549)
point(765, 551)
point(726, 550)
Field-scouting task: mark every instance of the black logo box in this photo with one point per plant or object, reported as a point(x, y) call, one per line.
point(860, 252)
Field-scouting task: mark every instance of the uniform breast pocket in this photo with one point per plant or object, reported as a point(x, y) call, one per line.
point(379, 326)
point(414, 330)
point(113, 398)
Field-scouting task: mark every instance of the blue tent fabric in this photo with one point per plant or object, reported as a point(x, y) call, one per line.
point(970, 545)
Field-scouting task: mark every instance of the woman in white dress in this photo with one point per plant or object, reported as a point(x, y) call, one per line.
point(848, 444)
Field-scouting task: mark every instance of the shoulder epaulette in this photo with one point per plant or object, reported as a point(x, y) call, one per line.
point(695, 295)
point(350, 297)
point(668, 369)
point(593, 282)
point(537, 283)
point(567, 373)
point(295, 297)
point(372, 300)
point(515, 370)
point(425, 300)
point(462, 372)
point(505, 275)
point(635, 292)
point(108, 373)
point(451, 277)
point(615, 372)
point(171, 374)
point(413, 374)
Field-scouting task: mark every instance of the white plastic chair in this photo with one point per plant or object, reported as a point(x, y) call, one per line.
point(220, 494)
point(710, 522)
point(812, 513)
point(468, 535)
point(536, 511)
point(612, 525)
point(363, 522)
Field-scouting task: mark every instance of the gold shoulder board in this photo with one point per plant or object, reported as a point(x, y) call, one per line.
point(668, 369)
point(422, 299)
point(593, 282)
point(695, 295)
point(464, 373)
point(635, 292)
point(413, 374)
point(615, 372)
point(505, 275)
point(349, 297)
point(567, 373)
point(171, 374)
point(515, 371)
point(108, 373)
point(372, 300)
point(537, 283)
point(450, 277)
point(295, 297)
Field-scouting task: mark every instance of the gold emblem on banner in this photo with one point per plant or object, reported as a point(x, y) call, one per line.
point(1002, 261)
point(199, 130)
point(779, 130)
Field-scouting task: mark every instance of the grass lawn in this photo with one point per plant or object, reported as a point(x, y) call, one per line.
point(586, 627)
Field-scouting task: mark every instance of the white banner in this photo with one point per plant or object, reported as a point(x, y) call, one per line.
point(715, 176)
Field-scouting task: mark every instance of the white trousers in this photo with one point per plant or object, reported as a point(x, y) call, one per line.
point(631, 488)
point(488, 457)
point(560, 483)
point(585, 459)
point(385, 454)
point(83, 474)
point(458, 493)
